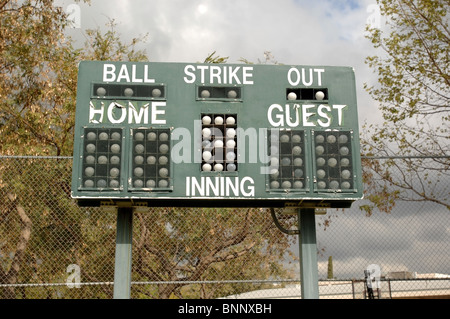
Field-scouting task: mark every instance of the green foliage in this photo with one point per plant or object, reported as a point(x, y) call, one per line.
point(269, 58)
point(215, 59)
point(38, 75)
point(108, 46)
point(413, 73)
point(206, 244)
point(413, 92)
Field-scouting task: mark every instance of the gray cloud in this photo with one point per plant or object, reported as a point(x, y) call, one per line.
point(413, 237)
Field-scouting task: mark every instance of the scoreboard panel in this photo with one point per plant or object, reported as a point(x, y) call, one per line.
point(234, 135)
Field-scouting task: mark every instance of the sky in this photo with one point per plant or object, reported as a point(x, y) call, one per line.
point(295, 32)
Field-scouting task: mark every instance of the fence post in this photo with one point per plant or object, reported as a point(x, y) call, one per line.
point(122, 267)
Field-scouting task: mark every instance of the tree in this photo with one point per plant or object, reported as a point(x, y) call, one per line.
point(108, 46)
point(30, 48)
point(36, 80)
point(183, 245)
point(413, 92)
point(38, 75)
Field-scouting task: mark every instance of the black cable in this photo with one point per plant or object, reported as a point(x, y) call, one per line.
point(281, 228)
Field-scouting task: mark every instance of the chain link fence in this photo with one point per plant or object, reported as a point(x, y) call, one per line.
point(51, 248)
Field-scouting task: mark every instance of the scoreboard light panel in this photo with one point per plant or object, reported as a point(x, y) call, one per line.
point(230, 135)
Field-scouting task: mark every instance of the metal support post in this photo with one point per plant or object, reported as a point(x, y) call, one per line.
point(309, 275)
point(122, 268)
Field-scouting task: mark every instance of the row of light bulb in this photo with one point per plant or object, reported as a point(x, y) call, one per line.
point(231, 94)
point(128, 92)
point(103, 136)
point(218, 120)
point(292, 96)
point(102, 183)
point(334, 184)
point(92, 148)
point(151, 183)
point(207, 133)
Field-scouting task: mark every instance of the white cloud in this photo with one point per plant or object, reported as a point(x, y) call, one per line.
point(295, 31)
point(180, 31)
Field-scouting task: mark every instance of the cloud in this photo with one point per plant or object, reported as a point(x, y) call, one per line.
point(407, 239)
point(180, 31)
point(296, 32)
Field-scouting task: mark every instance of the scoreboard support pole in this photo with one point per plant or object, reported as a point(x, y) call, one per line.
point(308, 254)
point(122, 268)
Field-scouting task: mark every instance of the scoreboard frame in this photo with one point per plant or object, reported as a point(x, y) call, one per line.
point(210, 135)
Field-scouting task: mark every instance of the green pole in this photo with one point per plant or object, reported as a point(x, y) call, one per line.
point(122, 268)
point(309, 275)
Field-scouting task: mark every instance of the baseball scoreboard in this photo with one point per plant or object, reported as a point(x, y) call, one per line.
point(233, 135)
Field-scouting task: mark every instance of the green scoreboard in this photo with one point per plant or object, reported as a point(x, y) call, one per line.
point(206, 135)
